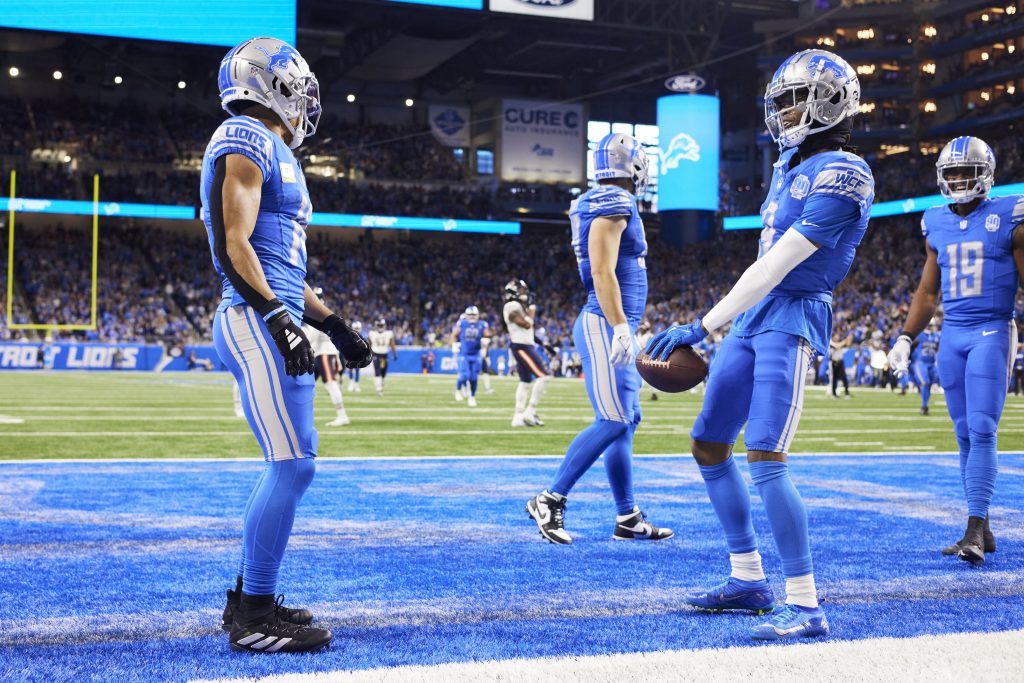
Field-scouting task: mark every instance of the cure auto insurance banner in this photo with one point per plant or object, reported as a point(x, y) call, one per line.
point(542, 142)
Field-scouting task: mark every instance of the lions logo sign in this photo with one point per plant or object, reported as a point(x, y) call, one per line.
point(682, 148)
point(688, 141)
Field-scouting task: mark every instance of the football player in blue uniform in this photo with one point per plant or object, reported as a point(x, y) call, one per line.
point(467, 337)
point(814, 218)
point(256, 207)
point(974, 258)
point(611, 248)
point(925, 371)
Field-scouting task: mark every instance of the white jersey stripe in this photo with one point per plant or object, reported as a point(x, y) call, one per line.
point(595, 378)
point(1012, 353)
point(276, 391)
point(799, 372)
point(605, 386)
point(612, 381)
point(249, 389)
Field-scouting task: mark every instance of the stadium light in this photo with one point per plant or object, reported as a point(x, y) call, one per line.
point(409, 102)
point(350, 98)
point(57, 75)
point(181, 85)
point(118, 80)
point(13, 71)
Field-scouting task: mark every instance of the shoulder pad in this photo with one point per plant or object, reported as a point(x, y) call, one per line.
point(242, 135)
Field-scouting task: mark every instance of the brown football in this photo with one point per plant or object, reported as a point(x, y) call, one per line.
point(683, 370)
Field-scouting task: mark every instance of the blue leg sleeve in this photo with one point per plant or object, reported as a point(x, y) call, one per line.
point(584, 450)
point(245, 515)
point(787, 516)
point(987, 377)
point(731, 501)
point(268, 523)
point(618, 465)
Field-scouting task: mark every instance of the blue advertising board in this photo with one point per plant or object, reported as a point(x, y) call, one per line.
point(688, 138)
point(207, 22)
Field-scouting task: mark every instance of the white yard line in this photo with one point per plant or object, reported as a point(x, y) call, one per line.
point(993, 657)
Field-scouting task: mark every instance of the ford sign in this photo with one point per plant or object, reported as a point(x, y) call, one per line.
point(685, 83)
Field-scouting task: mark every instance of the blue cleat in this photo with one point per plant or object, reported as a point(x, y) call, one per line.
point(734, 594)
point(792, 621)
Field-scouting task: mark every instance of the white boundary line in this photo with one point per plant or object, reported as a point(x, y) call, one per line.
point(511, 456)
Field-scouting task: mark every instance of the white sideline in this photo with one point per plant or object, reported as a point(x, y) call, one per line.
point(993, 657)
point(502, 456)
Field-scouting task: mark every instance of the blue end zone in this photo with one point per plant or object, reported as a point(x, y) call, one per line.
point(118, 569)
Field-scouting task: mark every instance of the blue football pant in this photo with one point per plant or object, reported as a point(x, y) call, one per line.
point(279, 408)
point(615, 396)
point(975, 367)
point(469, 371)
point(925, 375)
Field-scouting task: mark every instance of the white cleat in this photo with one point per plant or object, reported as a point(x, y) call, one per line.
point(239, 413)
point(518, 421)
point(339, 421)
point(458, 395)
point(471, 401)
point(531, 419)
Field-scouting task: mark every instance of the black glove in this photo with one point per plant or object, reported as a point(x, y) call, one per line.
point(355, 352)
point(291, 343)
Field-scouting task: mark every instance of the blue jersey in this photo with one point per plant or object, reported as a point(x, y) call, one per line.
point(827, 199)
point(927, 347)
point(975, 255)
point(279, 238)
point(631, 267)
point(470, 335)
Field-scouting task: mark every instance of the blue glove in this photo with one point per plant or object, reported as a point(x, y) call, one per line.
point(664, 343)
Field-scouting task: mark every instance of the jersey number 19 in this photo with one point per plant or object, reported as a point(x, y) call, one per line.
point(966, 264)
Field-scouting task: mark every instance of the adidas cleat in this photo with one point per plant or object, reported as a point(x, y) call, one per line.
point(792, 621)
point(302, 617)
point(270, 633)
point(549, 514)
point(734, 594)
point(635, 527)
point(987, 537)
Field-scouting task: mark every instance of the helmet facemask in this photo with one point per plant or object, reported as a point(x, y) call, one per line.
point(791, 111)
point(305, 107)
point(964, 182)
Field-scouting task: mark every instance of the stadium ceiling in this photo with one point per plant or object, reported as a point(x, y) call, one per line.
point(631, 44)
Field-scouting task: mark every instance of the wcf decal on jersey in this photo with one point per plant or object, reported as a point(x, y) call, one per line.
point(287, 173)
point(992, 222)
point(800, 187)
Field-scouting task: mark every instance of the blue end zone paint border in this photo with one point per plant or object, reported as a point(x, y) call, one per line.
point(115, 566)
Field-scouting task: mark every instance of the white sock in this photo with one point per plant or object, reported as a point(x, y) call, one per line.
point(238, 397)
point(623, 518)
point(522, 393)
point(379, 383)
point(486, 379)
point(746, 566)
point(334, 391)
point(801, 591)
point(538, 391)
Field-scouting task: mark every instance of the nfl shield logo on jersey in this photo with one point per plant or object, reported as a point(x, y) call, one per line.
point(801, 185)
point(992, 222)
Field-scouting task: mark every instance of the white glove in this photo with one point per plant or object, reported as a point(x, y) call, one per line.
point(456, 347)
point(899, 357)
point(623, 346)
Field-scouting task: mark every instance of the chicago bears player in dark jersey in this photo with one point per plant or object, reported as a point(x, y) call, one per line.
point(256, 207)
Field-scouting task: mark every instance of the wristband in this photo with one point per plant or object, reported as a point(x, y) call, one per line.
point(904, 333)
point(271, 308)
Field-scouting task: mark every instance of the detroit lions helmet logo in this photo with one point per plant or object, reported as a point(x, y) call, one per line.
point(823, 63)
point(281, 59)
point(682, 146)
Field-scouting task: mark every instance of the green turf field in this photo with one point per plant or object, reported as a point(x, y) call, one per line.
point(129, 415)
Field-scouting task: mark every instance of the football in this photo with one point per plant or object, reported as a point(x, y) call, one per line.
point(683, 370)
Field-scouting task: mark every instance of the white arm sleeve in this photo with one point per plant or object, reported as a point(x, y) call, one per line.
point(761, 278)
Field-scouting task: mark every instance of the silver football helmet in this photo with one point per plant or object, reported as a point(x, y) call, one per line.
point(810, 92)
point(272, 73)
point(472, 313)
point(618, 155)
point(966, 169)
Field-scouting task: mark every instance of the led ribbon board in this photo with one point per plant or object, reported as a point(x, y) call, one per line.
point(207, 22)
point(688, 139)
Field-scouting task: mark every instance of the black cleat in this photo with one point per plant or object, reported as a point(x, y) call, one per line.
point(972, 545)
point(987, 537)
point(549, 514)
point(302, 617)
point(270, 633)
point(924, 410)
point(637, 528)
